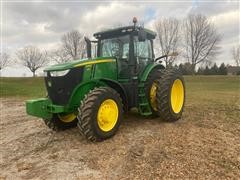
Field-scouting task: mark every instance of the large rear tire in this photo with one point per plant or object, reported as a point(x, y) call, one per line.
point(170, 95)
point(151, 90)
point(100, 114)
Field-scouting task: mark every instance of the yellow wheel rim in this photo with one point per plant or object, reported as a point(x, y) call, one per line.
point(107, 115)
point(177, 96)
point(67, 118)
point(153, 94)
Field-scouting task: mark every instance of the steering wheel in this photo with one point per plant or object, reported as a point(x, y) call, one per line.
point(115, 51)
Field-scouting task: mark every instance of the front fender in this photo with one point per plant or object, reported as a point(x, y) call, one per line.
point(119, 88)
point(80, 91)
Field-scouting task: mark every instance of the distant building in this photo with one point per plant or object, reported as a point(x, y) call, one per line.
point(233, 70)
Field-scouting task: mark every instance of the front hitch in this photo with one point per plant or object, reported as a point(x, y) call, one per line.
point(43, 108)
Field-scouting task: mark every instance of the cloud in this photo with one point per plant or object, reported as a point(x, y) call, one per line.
point(43, 23)
point(112, 15)
point(39, 22)
point(227, 23)
point(213, 8)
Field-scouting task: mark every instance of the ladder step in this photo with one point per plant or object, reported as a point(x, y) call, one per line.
point(142, 95)
point(147, 113)
point(143, 104)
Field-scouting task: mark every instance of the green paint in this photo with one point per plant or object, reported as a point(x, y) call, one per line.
point(104, 70)
point(72, 64)
point(143, 76)
point(80, 91)
point(42, 107)
point(143, 106)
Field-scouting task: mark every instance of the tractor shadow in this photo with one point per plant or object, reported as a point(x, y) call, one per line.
point(133, 117)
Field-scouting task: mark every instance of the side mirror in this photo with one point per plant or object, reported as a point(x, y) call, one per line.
point(142, 36)
point(89, 47)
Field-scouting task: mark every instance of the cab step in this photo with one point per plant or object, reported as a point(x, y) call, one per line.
point(143, 104)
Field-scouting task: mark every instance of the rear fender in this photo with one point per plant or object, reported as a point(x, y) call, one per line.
point(143, 76)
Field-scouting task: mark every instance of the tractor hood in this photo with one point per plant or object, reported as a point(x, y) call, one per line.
point(78, 63)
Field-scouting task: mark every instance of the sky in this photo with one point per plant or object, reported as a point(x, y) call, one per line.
point(42, 23)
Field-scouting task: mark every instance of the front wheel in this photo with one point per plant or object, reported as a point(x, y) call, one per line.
point(61, 121)
point(170, 95)
point(100, 114)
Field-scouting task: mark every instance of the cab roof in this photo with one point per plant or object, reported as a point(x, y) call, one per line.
point(123, 31)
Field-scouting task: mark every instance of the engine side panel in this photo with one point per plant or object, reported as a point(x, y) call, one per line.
point(105, 70)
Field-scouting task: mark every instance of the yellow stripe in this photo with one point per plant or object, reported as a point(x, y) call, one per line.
point(95, 62)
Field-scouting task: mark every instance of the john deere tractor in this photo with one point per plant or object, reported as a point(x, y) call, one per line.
point(94, 93)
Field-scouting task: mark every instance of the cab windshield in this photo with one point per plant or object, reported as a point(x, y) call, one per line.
point(115, 47)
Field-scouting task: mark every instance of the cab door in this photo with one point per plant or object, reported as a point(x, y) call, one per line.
point(143, 54)
point(117, 47)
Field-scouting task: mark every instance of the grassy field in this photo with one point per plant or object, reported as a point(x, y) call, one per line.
point(213, 94)
point(207, 90)
point(199, 88)
point(22, 87)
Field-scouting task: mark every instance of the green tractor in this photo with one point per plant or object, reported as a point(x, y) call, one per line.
point(94, 93)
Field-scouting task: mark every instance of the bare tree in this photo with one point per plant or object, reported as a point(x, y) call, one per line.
point(32, 58)
point(60, 56)
point(168, 37)
point(201, 40)
point(74, 45)
point(4, 60)
point(236, 54)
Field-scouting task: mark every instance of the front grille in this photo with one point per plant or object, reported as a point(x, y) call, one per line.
point(60, 88)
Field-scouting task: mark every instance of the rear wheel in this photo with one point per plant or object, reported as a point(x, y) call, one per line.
point(170, 95)
point(62, 121)
point(151, 89)
point(100, 114)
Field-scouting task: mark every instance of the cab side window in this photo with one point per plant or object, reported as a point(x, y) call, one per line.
point(115, 47)
point(142, 49)
point(125, 51)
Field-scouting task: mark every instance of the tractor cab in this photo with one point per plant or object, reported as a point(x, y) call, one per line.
point(132, 46)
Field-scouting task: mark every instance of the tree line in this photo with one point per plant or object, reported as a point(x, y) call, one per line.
point(185, 68)
point(195, 39)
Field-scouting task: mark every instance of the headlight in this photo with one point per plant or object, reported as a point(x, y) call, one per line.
point(59, 73)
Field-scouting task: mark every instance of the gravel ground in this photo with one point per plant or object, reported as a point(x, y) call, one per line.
point(204, 144)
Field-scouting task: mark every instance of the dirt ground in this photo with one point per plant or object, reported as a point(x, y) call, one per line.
point(204, 144)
